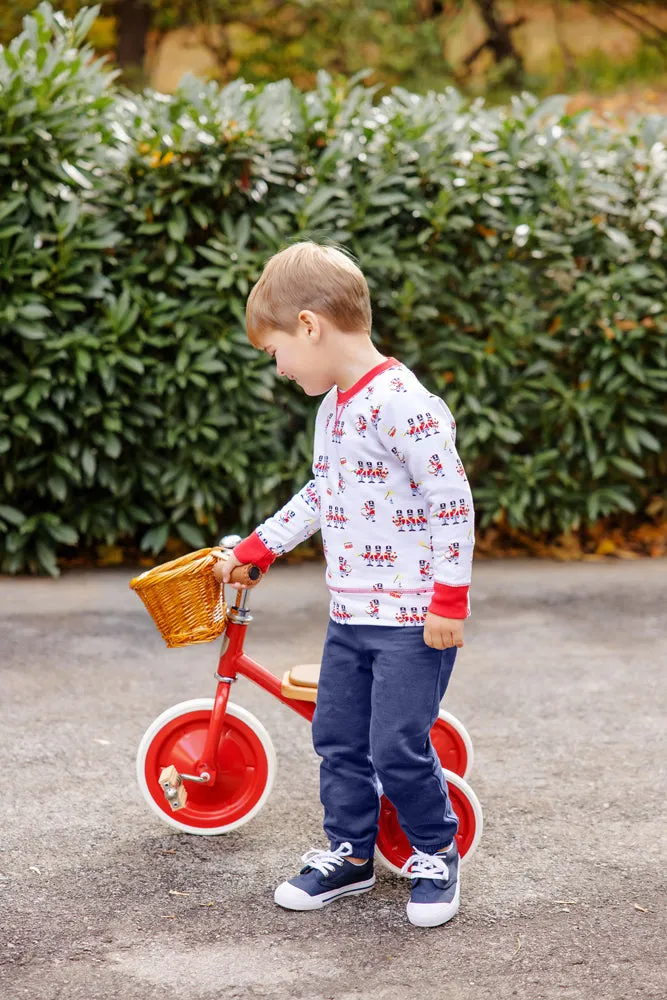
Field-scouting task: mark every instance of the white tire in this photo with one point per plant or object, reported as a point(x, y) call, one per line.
point(465, 737)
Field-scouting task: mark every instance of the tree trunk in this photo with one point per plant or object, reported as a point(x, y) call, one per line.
point(500, 41)
point(568, 58)
point(133, 20)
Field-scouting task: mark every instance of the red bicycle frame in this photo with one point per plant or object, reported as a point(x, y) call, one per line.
point(233, 661)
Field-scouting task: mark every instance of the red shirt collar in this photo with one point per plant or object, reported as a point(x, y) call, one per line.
point(343, 397)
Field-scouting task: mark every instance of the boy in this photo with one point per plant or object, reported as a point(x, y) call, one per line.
point(392, 501)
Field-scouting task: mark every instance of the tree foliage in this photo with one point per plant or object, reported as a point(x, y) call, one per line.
point(515, 258)
point(403, 42)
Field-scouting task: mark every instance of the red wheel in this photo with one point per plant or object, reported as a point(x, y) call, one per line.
point(452, 744)
point(392, 845)
point(246, 767)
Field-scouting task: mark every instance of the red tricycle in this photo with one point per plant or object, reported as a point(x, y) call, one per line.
point(207, 766)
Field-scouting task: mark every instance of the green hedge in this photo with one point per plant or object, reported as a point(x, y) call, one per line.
point(515, 257)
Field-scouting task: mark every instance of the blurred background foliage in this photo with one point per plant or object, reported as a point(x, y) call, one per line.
point(515, 256)
point(489, 47)
point(516, 260)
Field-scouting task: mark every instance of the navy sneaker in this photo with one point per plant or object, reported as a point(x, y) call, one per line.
point(435, 886)
point(326, 876)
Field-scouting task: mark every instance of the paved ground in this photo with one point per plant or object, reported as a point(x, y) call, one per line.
point(561, 685)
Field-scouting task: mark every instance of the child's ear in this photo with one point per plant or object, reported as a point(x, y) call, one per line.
point(311, 323)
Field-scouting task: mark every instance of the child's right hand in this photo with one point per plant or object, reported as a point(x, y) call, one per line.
point(226, 563)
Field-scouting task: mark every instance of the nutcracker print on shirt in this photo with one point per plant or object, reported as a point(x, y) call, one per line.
point(390, 495)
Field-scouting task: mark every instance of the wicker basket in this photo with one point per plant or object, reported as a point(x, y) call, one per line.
point(184, 599)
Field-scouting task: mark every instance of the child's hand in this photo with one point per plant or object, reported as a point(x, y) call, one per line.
point(441, 633)
point(226, 563)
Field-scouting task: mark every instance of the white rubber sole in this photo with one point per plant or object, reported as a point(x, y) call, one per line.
point(292, 898)
point(433, 914)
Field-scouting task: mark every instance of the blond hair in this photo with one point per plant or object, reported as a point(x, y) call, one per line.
point(308, 276)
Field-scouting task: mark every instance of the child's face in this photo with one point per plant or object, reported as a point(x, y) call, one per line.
point(301, 358)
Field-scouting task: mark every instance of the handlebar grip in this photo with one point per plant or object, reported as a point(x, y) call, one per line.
point(248, 575)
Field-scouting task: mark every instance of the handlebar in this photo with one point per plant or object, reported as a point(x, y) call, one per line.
point(248, 575)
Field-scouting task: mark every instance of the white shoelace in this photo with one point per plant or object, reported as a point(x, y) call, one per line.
point(326, 861)
point(421, 865)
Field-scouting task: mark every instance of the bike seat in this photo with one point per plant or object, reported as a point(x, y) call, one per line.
point(300, 682)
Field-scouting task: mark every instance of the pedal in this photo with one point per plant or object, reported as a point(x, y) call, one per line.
point(173, 787)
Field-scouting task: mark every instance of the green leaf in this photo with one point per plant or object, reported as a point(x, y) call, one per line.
point(508, 434)
point(632, 439)
point(386, 198)
point(192, 535)
point(57, 486)
point(648, 439)
point(134, 364)
point(320, 199)
point(155, 539)
point(209, 365)
point(38, 202)
point(625, 503)
point(200, 216)
point(39, 277)
point(632, 367)
point(88, 462)
point(63, 533)
point(84, 21)
point(620, 238)
point(9, 207)
point(30, 332)
point(34, 310)
point(214, 256)
point(10, 59)
point(65, 465)
point(11, 514)
point(177, 226)
point(14, 391)
point(112, 446)
point(627, 466)
point(46, 558)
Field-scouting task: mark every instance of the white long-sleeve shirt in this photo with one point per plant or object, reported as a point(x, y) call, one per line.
point(392, 500)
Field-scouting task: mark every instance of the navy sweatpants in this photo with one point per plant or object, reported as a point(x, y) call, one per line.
point(379, 694)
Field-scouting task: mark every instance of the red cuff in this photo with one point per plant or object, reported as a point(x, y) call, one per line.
point(253, 550)
point(449, 602)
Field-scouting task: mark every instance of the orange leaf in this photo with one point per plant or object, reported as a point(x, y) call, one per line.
point(109, 555)
point(606, 547)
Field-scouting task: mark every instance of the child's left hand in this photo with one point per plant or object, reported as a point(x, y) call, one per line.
point(441, 633)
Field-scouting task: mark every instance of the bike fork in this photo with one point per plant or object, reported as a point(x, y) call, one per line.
point(226, 674)
point(232, 648)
